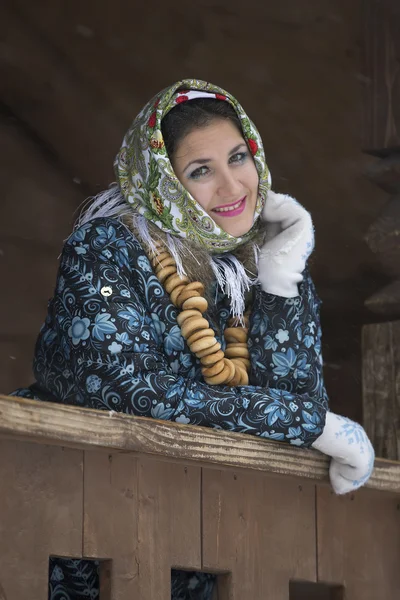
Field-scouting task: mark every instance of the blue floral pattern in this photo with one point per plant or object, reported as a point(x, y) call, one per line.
point(111, 341)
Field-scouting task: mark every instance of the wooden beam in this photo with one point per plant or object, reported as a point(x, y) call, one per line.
point(381, 387)
point(56, 424)
point(383, 237)
point(381, 70)
point(386, 301)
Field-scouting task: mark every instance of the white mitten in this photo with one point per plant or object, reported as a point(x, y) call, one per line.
point(351, 451)
point(289, 243)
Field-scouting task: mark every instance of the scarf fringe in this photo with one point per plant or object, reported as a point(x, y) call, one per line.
point(109, 203)
point(233, 281)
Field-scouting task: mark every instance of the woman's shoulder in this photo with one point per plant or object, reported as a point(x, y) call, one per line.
point(102, 228)
point(103, 238)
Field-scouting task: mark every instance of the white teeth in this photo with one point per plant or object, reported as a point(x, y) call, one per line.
point(234, 207)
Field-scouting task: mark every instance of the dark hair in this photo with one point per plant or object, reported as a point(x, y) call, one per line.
point(197, 113)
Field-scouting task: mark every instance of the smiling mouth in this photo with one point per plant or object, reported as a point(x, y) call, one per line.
point(231, 207)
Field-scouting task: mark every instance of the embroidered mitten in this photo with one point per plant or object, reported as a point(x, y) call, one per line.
point(351, 451)
point(289, 243)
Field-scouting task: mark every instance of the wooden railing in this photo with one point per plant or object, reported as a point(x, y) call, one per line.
point(146, 496)
point(61, 425)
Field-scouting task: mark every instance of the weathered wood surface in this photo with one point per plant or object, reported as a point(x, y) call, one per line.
point(261, 530)
point(169, 525)
point(86, 428)
point(383, 238)
point(147, 522)
point(381, 68)
point(40, 514)
point(381, 387)
point(386, 302)
point(111, 490)
point(358, 543)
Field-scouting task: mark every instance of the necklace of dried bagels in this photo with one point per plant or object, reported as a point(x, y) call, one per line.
point(219, 368)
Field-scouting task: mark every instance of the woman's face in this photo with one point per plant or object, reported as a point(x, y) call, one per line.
point(214, 164)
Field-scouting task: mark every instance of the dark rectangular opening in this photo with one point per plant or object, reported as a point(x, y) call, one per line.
point(77, 578)
point(308, 590)
point(196, 585)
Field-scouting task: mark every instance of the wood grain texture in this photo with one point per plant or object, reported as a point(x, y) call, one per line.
point(383, 238)
point(381, 46)
point(40, 514)
point(261, 529)
point(111, 508)
point(169, 524)
point(144, 516)
point(381, 387)
point(386, 302)
point(49, 423)
point(359, 543)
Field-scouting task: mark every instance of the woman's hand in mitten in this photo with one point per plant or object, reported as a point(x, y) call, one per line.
point(351, 451)
point(289, 243)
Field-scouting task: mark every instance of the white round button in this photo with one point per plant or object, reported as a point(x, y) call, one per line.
point(106, 291)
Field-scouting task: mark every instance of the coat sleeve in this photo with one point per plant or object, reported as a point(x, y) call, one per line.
point(285, 342)
point(112, 353)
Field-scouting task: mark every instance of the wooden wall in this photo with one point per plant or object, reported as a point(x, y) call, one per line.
point(259, 531)
point(74, 74)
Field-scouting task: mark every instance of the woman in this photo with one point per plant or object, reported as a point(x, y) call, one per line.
point(184, 294)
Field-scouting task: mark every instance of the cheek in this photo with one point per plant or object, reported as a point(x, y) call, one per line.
point(202, 193)
point(250, 178)
point(253, 179)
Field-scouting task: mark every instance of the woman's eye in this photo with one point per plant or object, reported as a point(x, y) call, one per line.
point(199, 172)
point(239, 157)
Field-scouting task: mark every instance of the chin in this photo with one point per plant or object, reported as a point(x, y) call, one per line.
point(238, 229)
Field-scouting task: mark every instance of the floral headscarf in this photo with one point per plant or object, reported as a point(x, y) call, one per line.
point(148, 182)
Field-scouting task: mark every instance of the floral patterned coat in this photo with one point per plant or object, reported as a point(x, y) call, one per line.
point(111, 341)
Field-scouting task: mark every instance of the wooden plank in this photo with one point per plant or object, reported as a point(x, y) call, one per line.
point(40, 514)
point(46, 422)
point(386, 302)
point(383, 237)
point(169, 525)
point(381, 387)
point(359, 543)
point(261, 529)
point(381, 56)
point(147, 522)
point(111, 518)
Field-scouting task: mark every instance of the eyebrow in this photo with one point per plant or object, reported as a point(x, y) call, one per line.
point(203, 161)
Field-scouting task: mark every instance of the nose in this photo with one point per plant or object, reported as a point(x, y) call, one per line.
point(228, 185)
